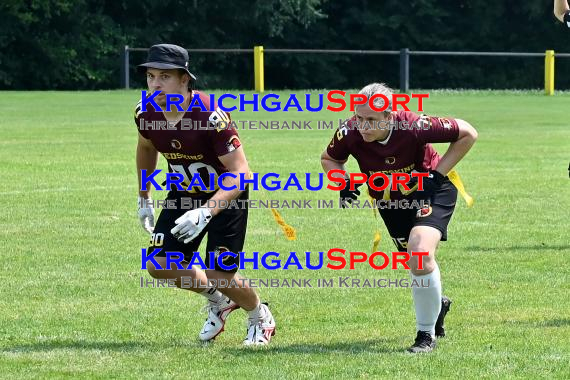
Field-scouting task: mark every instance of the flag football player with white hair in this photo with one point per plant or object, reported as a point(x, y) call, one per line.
point(190, 151)
point(387, 142)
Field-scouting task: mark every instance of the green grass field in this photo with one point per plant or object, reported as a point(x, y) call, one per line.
point(71, 304)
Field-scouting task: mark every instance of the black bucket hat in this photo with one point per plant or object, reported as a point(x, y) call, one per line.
point(167, 56)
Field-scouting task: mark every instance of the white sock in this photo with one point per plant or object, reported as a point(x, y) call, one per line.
point(213, 295)
point(427, 301)
point(256, 312)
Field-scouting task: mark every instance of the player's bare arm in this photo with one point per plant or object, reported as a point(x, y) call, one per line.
point(147, 158)
point(458, 149)
point(328, 163)
point(561, 8)
point(236, 163)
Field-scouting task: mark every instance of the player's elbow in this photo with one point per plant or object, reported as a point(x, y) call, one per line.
point(326, 161)
point(323, 157)
point(560, 9)
point(467, 131)
point(473, 134)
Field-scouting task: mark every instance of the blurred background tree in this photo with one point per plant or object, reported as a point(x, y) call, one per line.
point(76, 44)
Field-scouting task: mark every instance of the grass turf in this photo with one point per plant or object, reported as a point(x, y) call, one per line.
point(71, 304)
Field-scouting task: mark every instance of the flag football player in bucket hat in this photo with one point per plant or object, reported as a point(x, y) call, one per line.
point(192, 152)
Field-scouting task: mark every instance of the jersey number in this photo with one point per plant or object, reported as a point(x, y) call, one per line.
point(194, 170)
point(156, 240)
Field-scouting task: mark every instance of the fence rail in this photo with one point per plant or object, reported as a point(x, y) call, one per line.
point(405, 54)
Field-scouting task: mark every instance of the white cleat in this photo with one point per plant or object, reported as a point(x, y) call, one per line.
point(259, 332)
point(217, 314)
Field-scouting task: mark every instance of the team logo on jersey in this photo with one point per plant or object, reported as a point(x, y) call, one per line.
point(423, 212)
point(233, 144)
point(227, 260)
point(390, 160)
point(342, 131)
point(425, 122)
point(175, 144)
point(445, 122)
point(219, 120)
point(138, 110)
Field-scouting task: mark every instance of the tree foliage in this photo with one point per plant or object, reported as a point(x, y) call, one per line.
point(76, 44)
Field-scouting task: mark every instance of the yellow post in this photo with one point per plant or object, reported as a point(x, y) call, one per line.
point(549, 72)
point(258, 68)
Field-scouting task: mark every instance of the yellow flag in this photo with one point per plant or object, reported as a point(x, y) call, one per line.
point(456, 180)
point(289, 231)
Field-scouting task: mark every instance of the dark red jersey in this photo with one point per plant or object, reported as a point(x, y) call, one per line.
point(406, 148)
point(193, 145)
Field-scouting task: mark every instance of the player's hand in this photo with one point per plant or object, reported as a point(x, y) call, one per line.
point(349, 195)
point(146, 214)
point(431, 184)
point(189, 225)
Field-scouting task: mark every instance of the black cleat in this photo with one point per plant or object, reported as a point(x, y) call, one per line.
point(424, 343)
point(439, 326)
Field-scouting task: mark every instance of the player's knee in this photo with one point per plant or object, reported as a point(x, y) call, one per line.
point(218, 274)
point(160, 270)
point(154, 271)
point(427, 265)
point(421, 265)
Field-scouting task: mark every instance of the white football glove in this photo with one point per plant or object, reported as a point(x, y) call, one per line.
point(189, 225)
point(146, 214)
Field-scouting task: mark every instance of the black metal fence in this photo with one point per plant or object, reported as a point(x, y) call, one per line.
point(404, 56)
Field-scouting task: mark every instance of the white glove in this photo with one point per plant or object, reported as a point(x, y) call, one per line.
point(146, 214)
point(189, 225)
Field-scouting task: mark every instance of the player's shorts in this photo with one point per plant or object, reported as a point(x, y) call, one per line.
point(400, 222)
point(226, 232)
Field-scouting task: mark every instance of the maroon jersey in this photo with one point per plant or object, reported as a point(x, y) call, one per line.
point(405, 149)
point(193, 145)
